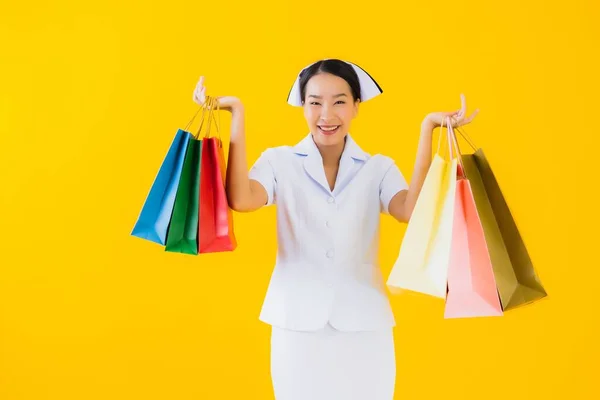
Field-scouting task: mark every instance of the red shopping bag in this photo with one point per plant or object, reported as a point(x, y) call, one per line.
point(215, 225)
point(472, 290)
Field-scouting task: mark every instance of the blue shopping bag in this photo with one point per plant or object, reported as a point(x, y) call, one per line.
point(153, 221)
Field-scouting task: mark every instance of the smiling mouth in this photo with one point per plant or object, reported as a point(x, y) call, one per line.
point(328, 129)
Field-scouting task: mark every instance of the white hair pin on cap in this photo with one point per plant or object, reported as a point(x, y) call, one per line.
point(369, 88)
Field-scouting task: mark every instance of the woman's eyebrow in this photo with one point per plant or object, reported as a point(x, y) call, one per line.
point(320, 97)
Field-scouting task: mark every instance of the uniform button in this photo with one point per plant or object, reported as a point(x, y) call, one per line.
point(330, 200)
point(328, 224)
point(329, 253)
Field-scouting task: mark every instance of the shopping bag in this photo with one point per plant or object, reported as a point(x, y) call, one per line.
point(471, 284)
point(422, 263)
point(516, 279)
point(215, 228)
point(182, 235)
point(153, 221)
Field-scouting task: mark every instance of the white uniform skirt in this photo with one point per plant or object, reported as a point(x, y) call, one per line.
point(333, 365)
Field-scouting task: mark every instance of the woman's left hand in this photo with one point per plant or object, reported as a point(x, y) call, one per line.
point(458, 118)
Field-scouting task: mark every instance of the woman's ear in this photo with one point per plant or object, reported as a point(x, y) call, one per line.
point(356, 107)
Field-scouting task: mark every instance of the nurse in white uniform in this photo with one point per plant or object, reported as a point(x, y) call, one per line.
point(332, 324)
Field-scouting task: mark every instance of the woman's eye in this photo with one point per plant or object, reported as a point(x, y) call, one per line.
point(314, 103)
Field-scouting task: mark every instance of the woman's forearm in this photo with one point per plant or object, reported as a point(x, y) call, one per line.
point(422, 164)
point(241, 194)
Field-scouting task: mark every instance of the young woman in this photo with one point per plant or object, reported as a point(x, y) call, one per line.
point(332, 325)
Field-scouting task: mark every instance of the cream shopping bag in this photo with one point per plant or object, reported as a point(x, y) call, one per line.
point(422, 263)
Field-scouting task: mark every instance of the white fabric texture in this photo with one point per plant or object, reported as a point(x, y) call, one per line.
point(333, 365)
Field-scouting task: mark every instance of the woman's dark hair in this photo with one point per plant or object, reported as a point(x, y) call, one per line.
point(335, 67)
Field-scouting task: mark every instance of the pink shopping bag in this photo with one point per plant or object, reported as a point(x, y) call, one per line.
point(472, 290)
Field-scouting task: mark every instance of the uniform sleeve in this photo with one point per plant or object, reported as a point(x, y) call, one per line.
point(263, 172)
point(393, 182)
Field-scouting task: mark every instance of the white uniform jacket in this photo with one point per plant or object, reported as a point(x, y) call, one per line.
point(327, 267)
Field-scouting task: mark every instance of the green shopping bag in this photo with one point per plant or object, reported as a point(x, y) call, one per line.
point(182, 234)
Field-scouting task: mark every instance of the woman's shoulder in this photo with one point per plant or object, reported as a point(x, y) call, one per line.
point(276, 152)
point(381, 160)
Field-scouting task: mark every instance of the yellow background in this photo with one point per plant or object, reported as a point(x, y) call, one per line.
point(91, 96)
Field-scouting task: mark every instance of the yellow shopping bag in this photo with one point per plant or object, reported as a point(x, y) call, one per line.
point(422, 263)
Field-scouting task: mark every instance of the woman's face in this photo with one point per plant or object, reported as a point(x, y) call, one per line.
point(329, 108)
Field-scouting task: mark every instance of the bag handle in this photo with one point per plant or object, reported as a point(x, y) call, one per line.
point(211, 116)
point(448, 137)
point(187, 127)
point(452, 135)
point(440, 140)
point(209, 105)
point(467, 138)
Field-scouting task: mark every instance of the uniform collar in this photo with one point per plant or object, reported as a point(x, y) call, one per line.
point(307, 147)
point(351, 160)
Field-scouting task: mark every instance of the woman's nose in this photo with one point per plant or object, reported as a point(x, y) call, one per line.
point(325, 113)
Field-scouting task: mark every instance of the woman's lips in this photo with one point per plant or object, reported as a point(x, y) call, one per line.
point(328, 129)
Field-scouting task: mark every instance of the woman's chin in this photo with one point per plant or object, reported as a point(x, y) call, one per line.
point(327, 139)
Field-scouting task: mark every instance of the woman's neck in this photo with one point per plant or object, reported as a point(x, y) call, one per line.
point(331, 155)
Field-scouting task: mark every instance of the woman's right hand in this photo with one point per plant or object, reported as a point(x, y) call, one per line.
point(225, 102)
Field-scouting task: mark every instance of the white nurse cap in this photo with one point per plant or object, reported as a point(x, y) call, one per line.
point(368, 86)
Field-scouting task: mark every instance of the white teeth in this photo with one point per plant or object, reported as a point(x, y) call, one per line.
point(329, 129)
